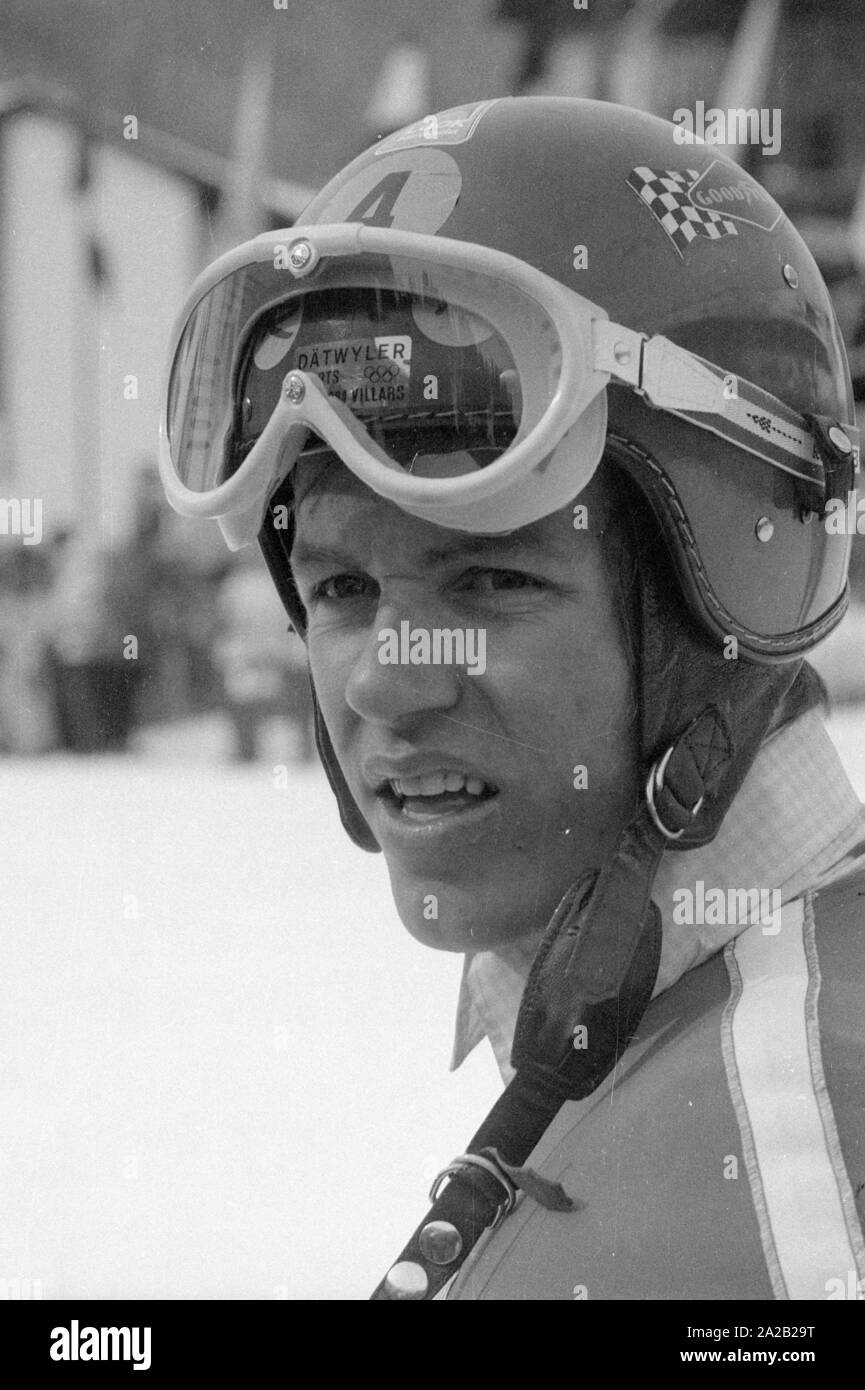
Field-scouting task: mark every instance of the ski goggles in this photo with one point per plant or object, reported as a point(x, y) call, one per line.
point(456, 381)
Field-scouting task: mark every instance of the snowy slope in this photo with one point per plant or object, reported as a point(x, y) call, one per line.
point(225, 1062)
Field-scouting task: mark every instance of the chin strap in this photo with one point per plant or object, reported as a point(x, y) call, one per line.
point(589, 986)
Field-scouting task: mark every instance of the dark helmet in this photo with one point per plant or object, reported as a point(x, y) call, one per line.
point(669, 239)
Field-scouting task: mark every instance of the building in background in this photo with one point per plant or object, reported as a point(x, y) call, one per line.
point(103, 225)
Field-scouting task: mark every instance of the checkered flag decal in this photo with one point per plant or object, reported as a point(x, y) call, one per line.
point(666, 195)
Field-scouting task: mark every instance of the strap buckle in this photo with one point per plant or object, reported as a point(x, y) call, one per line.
point(508, 1202)
point(654, 785)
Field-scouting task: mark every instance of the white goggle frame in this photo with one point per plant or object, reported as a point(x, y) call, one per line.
point(548, 464)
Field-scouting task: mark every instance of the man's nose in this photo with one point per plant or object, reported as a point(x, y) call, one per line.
point(384, 685)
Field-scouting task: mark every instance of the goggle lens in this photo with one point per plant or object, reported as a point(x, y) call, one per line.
point(444, 368)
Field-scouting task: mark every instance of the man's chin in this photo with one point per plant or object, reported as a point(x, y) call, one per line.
point(455, 922)
point(477, 940)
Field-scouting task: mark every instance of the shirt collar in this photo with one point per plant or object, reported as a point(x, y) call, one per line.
point(795, 819)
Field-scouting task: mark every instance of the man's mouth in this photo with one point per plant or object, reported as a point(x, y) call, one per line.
point(435, 793)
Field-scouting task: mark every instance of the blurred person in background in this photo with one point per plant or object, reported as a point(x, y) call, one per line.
point(169, 592)
point(27, 716)
point(94, 663)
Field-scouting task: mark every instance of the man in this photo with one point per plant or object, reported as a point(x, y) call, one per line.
point(537, 417)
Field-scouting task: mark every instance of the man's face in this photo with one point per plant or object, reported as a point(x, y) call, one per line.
point(466, 773)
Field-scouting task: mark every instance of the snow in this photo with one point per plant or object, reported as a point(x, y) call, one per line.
point(225, 1061)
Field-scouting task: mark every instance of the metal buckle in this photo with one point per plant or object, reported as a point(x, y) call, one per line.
point(506, 1206)
point(654, 785)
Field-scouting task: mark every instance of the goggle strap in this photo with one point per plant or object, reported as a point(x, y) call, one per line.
point(672, 378)
point(758, 422)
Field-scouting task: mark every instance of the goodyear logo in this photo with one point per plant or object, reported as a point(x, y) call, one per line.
point(718, 190)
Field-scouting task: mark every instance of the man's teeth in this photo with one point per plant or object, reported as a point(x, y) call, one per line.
point(434, 783)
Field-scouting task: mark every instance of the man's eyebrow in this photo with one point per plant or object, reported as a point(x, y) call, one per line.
point(302, 553)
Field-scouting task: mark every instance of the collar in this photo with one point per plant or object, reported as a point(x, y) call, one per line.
point(792, 826)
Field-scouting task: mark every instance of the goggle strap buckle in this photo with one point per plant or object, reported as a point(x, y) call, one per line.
point(618, 352)
point(666, 376)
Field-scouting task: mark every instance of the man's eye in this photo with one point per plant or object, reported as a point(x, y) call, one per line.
point(340, 586)
point(497, 580)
